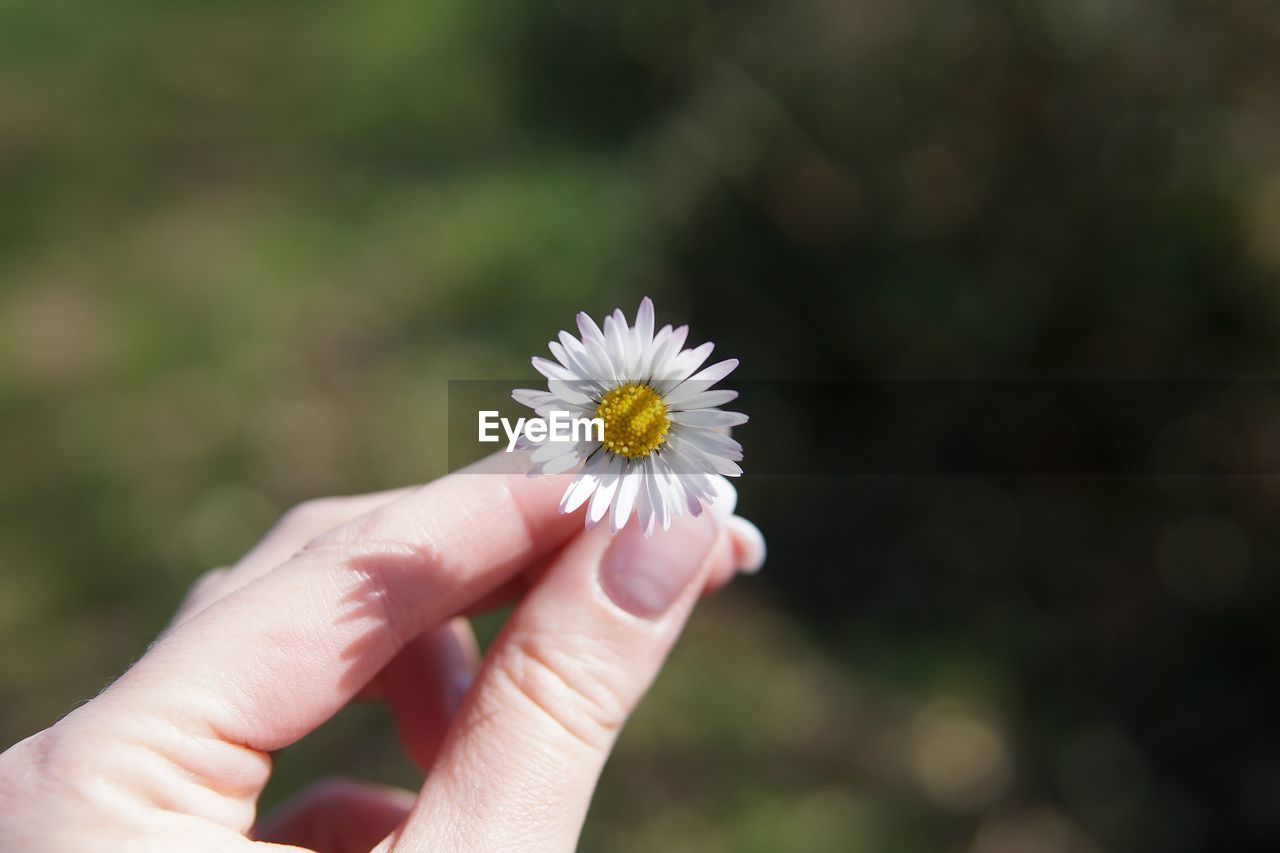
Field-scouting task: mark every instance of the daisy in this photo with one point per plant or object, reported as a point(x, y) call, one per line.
point(664, 444)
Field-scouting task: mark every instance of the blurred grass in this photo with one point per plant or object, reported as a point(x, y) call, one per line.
point(243, 247)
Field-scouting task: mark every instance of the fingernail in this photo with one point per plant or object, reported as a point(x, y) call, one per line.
point(459, 684)
point(748, 544)
point(645, 576)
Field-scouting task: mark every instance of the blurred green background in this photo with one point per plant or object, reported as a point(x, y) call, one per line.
point(243, 246)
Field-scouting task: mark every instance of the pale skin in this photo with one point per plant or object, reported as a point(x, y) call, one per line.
point(365, 598)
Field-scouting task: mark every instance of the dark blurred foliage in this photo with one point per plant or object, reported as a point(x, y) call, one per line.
point(244, 245)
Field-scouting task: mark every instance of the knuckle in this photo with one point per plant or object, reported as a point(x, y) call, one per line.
point(53, 753)
point(51, 766)
point(328, 523)
point(378, 578)
point(20, 766)
point(205, 590)
point(206, 583)
point(98, 767)
point(319, 524)
point(310, 515)
point(575, 689)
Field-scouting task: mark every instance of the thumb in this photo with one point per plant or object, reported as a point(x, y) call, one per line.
point(521, 761)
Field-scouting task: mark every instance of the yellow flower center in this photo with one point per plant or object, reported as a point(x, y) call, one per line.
point(635, 420)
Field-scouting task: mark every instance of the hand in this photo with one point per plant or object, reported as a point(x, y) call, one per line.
point(364, 596)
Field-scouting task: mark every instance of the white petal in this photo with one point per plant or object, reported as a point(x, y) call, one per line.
point(623, 502)
point(552, 449)
point(645, 370)
point(711, 443)
point(561, 464)
point(679, 335)
point(590, 331)
point(716, 372)
point(697, 487)
point(559, 353)
point(570, 409)
point(672, 492)
point(645, 513)
point(695, 399)
point(533, 398)
point(664, 360)
point(691, 359)
point(642, 334)
point(695, 505)
point(584, 485)
point(604, 492)
point(685, 364)
point(551, 370)
point(572, 358)
point(710, 462)
point(692, 469)
point(661, 491)
point(571, 391)
point(583, 360)
point(703, 380)
point(696, 460)
point(615, 338)
point(708, 418)
point(630, 355)
point(609, 372)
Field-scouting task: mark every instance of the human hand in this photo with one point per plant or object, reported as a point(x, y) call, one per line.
point(366, 596)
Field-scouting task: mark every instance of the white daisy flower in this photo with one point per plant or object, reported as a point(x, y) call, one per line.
point(664, 445)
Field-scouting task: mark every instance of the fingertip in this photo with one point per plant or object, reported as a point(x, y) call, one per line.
point(463, 663)
point(749, 546)
point(645, 576)
point(339, 815)
point(425, 685)
point(726, 498)
point(740, 549)
point(721, 563)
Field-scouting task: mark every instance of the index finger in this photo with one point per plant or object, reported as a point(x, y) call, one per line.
point(273, 660)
